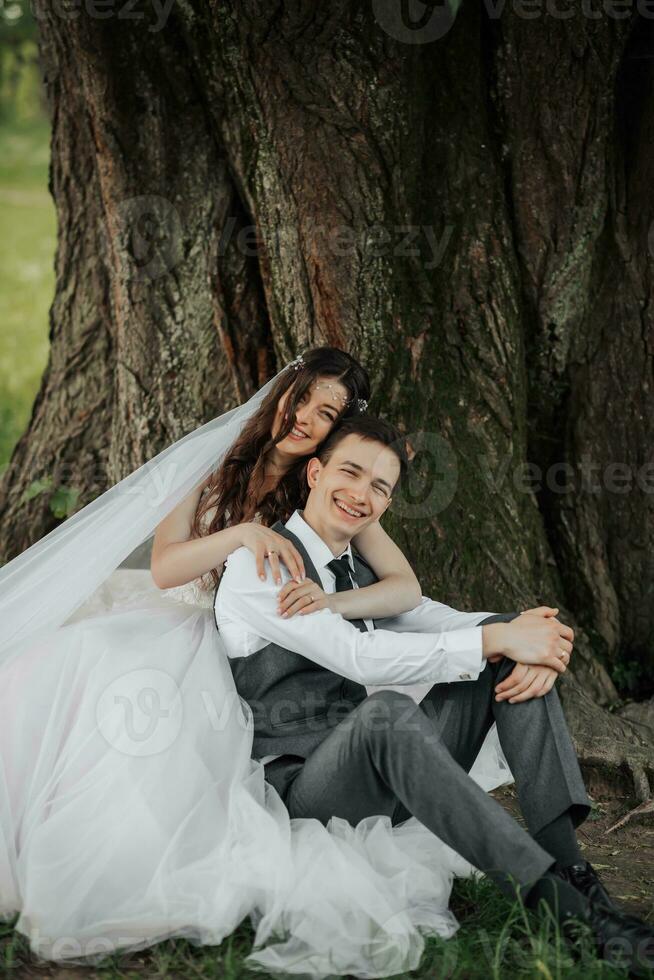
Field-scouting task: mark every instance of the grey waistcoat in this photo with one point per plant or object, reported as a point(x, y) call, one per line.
point(295, 702)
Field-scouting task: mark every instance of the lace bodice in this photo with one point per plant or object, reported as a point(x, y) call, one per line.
point(200, 591)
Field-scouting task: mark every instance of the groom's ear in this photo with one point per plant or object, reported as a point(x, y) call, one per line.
point(313, 470)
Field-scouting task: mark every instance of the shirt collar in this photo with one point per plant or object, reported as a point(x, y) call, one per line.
point(319, 553)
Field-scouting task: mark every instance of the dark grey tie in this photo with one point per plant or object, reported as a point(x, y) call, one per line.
point(344, 575)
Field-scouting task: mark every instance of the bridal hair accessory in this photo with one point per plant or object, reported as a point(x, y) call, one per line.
point(297, 363)
point(361, 403)
point(335, 395)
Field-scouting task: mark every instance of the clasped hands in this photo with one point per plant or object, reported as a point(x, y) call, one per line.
point(526, 680)
point(534, 680)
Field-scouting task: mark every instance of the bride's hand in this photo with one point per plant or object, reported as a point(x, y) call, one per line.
point(303, 597)
point(266, 543)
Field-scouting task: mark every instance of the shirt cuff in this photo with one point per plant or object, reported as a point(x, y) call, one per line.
point(464, 651)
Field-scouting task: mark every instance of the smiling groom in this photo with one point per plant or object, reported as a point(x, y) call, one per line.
point(330, 749)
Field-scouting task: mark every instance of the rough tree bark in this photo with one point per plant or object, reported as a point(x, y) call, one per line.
point(468, 215)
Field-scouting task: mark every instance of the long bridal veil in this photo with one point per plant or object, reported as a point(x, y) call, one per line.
point(130, 809)
point(44, 585)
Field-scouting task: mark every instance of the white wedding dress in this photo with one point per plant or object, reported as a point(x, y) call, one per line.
point(131, 811)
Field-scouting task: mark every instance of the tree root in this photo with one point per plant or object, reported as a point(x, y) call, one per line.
point(615, 755)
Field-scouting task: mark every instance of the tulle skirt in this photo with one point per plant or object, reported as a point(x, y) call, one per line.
point(131, 811)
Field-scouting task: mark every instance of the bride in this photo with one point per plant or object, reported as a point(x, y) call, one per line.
point(131, 810)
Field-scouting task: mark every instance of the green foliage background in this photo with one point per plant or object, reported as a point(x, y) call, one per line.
point(28, 220)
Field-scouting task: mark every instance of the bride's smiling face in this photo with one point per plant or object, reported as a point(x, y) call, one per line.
point(317, 411)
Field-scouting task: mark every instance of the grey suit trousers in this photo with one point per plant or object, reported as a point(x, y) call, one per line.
point(395, 757)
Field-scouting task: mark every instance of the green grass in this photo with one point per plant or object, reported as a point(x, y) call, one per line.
point(27, 246)
point(498, 940)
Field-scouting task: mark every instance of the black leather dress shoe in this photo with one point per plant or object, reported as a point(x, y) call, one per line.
point(584, 879)
point(622, 940)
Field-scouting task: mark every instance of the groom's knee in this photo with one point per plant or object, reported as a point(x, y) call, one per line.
point(386, 714)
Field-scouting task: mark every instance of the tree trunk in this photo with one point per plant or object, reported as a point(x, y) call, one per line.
point(464, 210)
point(142, 190)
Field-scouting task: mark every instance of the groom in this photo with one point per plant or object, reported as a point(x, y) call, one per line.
point(330, 749)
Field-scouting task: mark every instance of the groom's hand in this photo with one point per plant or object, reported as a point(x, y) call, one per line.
point(541, 611)
point(537, 611)
point(530, 639)
point(525, 682)
point(548, 611)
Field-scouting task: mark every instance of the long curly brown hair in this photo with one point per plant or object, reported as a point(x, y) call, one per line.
point(236, 485)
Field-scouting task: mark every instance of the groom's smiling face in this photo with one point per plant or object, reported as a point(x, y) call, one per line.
point(353, 487)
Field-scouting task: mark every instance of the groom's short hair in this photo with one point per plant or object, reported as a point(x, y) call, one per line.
point(371, 428)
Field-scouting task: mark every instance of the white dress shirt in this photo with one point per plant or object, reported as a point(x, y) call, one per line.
point(430, 644)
